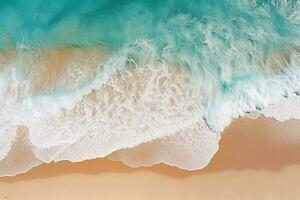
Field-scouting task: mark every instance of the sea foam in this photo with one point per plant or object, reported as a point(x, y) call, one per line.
point(143, 82)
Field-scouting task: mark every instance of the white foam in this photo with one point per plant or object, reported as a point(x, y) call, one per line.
point(148, 102)
point(135, 107)
point(7, 135)
point(153, 107)
point(255, 95)
point(191, 148)
point(287, 108)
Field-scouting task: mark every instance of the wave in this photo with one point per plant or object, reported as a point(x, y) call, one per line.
point(119, 79)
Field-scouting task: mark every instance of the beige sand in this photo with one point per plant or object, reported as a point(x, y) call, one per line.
point(258, 159)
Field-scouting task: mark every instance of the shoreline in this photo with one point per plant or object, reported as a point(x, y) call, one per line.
point(257, 159)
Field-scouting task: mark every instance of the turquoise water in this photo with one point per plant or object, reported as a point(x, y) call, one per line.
point(172, 66)
point(225, 45)
point(172, 23)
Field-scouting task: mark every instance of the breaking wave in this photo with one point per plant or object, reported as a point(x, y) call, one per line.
point(83, 80)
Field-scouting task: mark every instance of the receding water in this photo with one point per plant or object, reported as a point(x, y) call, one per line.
point(112, 74)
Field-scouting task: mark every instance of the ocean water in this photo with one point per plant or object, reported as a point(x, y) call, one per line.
point(82, 79)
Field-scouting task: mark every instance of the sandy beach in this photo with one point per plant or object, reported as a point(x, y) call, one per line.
point(135, 100)
point(257, 159)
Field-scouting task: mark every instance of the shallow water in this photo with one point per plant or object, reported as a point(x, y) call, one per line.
point(108, 74)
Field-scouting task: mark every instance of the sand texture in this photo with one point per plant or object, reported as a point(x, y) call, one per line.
point(257, 159)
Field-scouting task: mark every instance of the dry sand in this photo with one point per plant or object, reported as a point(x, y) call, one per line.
point(258, 159)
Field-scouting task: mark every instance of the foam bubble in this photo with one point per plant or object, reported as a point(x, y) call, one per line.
point(287, 108)
point(134, 107)
point(191, 148)
point(142, 104)
point(185, 72)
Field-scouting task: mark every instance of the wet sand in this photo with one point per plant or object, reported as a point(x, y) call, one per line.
point(257, 159)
